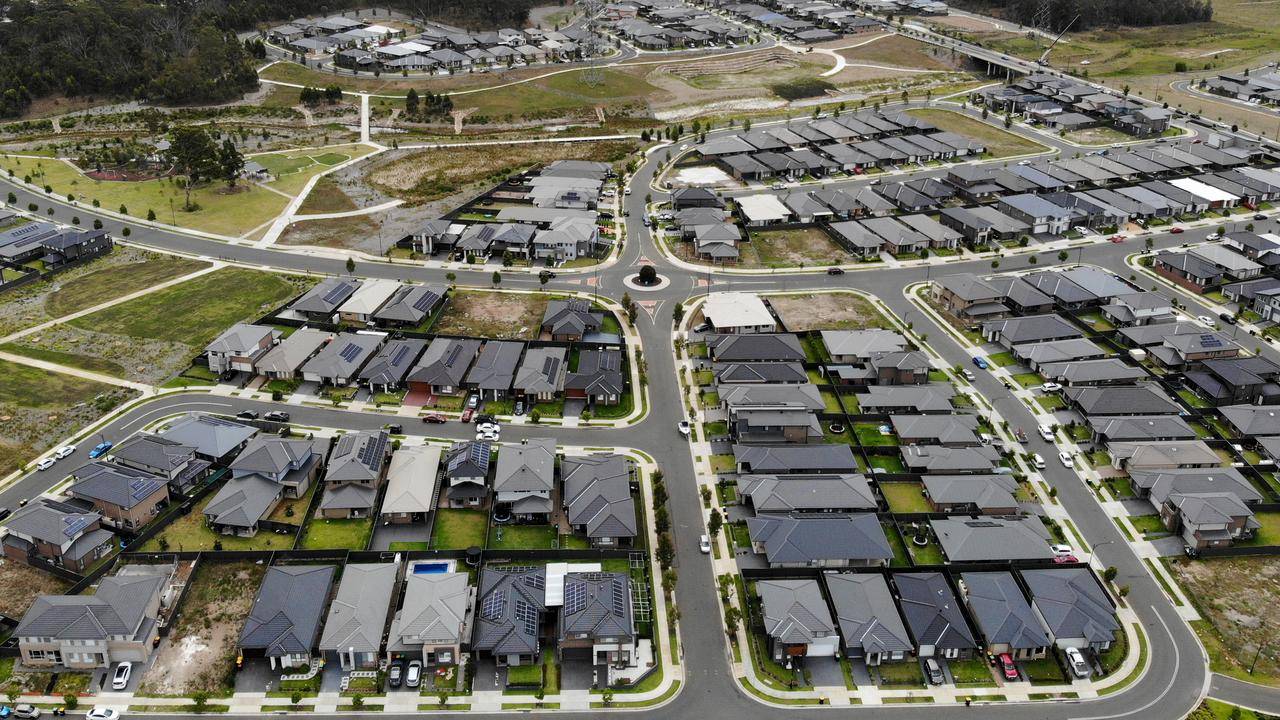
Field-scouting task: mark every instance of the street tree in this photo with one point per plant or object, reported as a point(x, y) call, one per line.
point(194, 157)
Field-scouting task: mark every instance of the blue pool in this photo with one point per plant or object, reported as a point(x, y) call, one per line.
point(430, 568)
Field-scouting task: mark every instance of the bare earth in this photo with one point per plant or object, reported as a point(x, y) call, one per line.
point(828, 311)
point(20, 584)
point(1241, 598)
point(498, 315)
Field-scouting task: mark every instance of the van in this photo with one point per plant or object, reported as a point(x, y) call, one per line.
point(1038, 461)
point(934, 670)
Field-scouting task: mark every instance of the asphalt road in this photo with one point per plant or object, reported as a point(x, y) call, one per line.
point(1178, 673)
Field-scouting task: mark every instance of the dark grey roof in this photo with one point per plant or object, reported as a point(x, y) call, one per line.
point(326, 296)
point(945, 429)
point(937, 458)
point(597, 605)
point(597, 494)
point(467, 459)
point(992, 538)
point(527, 467)
point(759, 372)
point(785, 493)
point(275, 455)
point(782, 459)
point(932, 611)
point(1142, 427)
point(243, 501)
point(819, 537)
point(495, 368)
point(768, 347)
point(510, 607)
point(393, 362)
point(981, 491)
point(348, 496)
point(1141, 399)
point(435, 609)
point(358, 457)
point(571, 317)
point(794, 611)
point(868, 616)
point(445, 362)
point(51, 521)
point(344, 355)
point(114, 484)
point(210, 436)
point(1082, 371)
point(412, 303)
point(1253, 420)
point(1002, 614)
point(542, 371)
point(934, 397)
point(117, 608)
point(599, 373)
point(358, 613)
point(1032, 328)
point(1072, 604)
point(153, 451)
point(286, 615)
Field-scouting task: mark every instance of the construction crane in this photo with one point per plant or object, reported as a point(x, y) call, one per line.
point(1044, 57)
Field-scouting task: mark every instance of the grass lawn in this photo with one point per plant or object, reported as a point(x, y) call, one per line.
point(189, 533)
point(971, 672)
point(1051, 402)
point(740, 534)
point(930, 554)
point(722, 464)
point(75, 360)
point(1269, 533)
point(1028, 379)
point(900, 556)
point(110, 283)
point(194, 312)
point(1192, 399)
point(30, 387)
point(522, 537)
point(1002, 359)
point(869, 435)
point(887, 463)
point(408, 546)
point(832, 401)
point(905, 497)
point(524, 676)
point(1042, 672)
point(901, 673)
point(1147, 524)
point(458, 529)
point(718, 428)
point(999, 142)
point(492, 315)
point(323, 534)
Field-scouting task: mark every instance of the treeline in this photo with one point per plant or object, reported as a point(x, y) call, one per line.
point(1097, 13)
point(179, 52)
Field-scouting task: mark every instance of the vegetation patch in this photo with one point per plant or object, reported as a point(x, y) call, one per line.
point(802, 88)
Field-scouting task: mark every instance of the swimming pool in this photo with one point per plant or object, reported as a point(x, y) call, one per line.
point(431, 568)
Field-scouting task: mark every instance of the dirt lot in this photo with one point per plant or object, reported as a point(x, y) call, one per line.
point(492, 315)
point(898, 51)
point(801, 247)
point(20, 584)
point(1240, 597)
point(200, 652)
point(827, 311)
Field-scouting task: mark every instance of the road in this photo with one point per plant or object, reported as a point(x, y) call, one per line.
point(1177, 677)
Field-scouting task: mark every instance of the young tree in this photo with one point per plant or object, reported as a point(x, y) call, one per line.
point(194, 157)
point(677, 313)
point(411, 103)
point(714, 523)
point(351, 265)
point(666, 550)
point(1062, 255)
point(497, 278)
point(230, 162)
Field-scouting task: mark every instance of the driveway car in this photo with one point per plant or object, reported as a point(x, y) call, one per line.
point(413, 677)
point(100, 449)
point(46, 463)
point(1007, 667)
point(1050, 387)
point(395, 674)
point(934, 671)
point(120, 680)
point(1079, 666)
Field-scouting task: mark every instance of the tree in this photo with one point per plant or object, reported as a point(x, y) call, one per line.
point(411, 103)
point(666, 550)
point(194, 157)
point(1110, 573)
point(1062, 255)
point(230, 162)
point(715, 522)
point(985, 113)
point(732, 615)
point(662, 519)
point(296, 697)
point(70, 701)
point(497, 278)
point(535, 417)
point(1149, 242)
point(199, 698)
point(351, 265)
point(677, 313)
point(607, 696)
point(151, 215)
point(451, 277)
point(443, 699)
point(648, 274)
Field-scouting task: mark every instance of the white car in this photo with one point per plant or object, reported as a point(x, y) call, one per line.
point(704, 544)
point(1062, 550)
point(1050, 387)
point(64, 451)
point(1079, 666)
point(46, 463)
point(1024, 162)
point(1038, 461)
point(120, 680)
point(1067, 460)
point(26, 711)
point(1213, 236)
point(1205, 320)
point(483, 436)
point(1046, 432)
point(487, 427)
point(683, 428)
point(102, 714)
point(968, 375)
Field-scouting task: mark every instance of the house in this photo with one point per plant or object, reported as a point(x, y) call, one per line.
point(1234, 380)
point(755, 348)
point(733, 313)
point(796, 620)
point(56, 533)
point(367, 300)
point(1187, 270)
point(992, 539)
point(799, 540)
point(794, 459)
point(285, 359)
point(1043, 216)
point(1039, 355)
point(176, 463)
point(320, 303)
point(1250, 421)
point(944, 430)
point(1011, 332)
point(125, 497)
point(567, 239)
point(410, 305)
point(467, 472)
point(358, 615)
point(597, 621)
point(870, 627)
point(598, 379)
point(922, 399)
point(1233, 265)
point(1108, 371)
point(241, 504)
point(934, 616)
point(356, 469)
point(512, 602)
point(691, 197)
point(783, 493)
point(387, 370)
point(292, 463)
point(542, 373)
point(1182, 350)
point(1139, 399)
point(284, 623)
point(435, 622)
point(443, 368)
point(597, 499)
point(1003, 616)
point(569, 320)
point(855, 346)
point(1140, 308)
point(758, 373)
point(525, 478)
point(941, 459)
point(971, 494)
point(1157, 485)
point(494, 370)
point(112, 625)
point(339, 362)
point(1206, 508)
point(1140, 428)
point(412, 483)
point(1073, 607)
point(239, 348)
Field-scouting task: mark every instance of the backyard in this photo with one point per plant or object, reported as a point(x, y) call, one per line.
point(20, 584)
point(326, 534)
point(905, 497)
point(520, 537)
point(492, 315)
point(458, 529)
point(189, 533)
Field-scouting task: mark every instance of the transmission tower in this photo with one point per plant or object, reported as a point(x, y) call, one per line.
point(593, 45)
point(1042, 20)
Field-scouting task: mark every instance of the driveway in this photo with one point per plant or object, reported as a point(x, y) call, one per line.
point(257, 676)
point(384, 535)
point(824, 672)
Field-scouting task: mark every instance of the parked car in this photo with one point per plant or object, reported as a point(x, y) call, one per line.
point(434, 418)
point(1046, 432)
point(968, 375)
point(64, 451)
point(704, 544)
point(120, 680)
point(102, 714)
point(395, 429)
point(981, 363)
point(1061, 550)
point(395, 674)
point(485, 419)
point(5, 512)
point(1227, 318)
point(466, 414)
point(1064, 559)
point(1259, 216)
point(46, 463)
point(247, 414)
point(100, 449)
point(934, 670)
point(1205, 320)
point(26, 711)
point(492, 427)
point(1067, 460)
point(1213, 236)
point(702, 327)
point(1176, 231)
point(1024, 162)
point(1079, 666)
point(484, 436)
point(473, 401)
point(277, 416)
point(1038, 461)
point(413, 677)
point(1021, 436)
point(1050, 387)
point(1117, 238)
point(777, 186)
point(1007, 667)
point(835, 271)
point(683, 428)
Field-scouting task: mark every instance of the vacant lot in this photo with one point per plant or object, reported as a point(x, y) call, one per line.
point(356, 232)
point(1097, 136)
point(903, 52)
point(999, 142)
point(492, 315)
point(1240, 601)
point(827, 311)
point(799, 247)
point(326, 197)
point(424, 175)
point(200, 653)
point(20, 584)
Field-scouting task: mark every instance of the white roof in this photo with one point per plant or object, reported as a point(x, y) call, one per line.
point(732, 309)
point(372, 295)
point(416, 46)
point(1208, 192)
point(379, 29)
point(555, 579)
point(761, 208)
point(411, 480)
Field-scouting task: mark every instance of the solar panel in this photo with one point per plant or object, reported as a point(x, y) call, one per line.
point(549, 366)
point(400, 354)
point(337, 293)
point(372, 452)
point(494, 606)
point(619, 598)
point(426, 300)
point(479, 453)
point(454, 351)
point(575, 598)
point(350, 352)
point(528, 615)
point(73, 524)
point(1210, 341)
point(537, 581)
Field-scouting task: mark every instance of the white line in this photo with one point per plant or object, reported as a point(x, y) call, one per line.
point(1177, 663)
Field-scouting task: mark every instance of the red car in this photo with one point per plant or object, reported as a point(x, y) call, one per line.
point(1062, 559)
point(1007, 667)
point(434, 418)
point(466, 414)
point(1117, 238)
point(1176, 231)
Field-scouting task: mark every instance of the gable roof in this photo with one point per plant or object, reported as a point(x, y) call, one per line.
point(1072, 604)
point(359, 610)
point(868, 616)
point(932, 611)
point(1001, 612)
point(412, 480)
point(818, 537)
point(326, 296)
point(412, 303)
point(992, 538)
point(393, 362)
point(445, 362)
point(495, 367)
point(286, 615)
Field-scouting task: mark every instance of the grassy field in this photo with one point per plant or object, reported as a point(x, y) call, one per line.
point(326, 197)
point(110, 283)
point(194, 312)
point(828, 311)
point(999, 142)
point(493, 315)
point(20, 584)
point(1236, 597)
point(561, 94)
point(30, 387)
point(456, 529)
point(323, 534)
point(189, 533)
point(798, 247)
point(75, 360)
point(900, 51)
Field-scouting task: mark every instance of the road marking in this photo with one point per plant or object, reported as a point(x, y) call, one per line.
point(1177, 664)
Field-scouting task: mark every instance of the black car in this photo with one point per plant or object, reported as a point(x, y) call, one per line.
point(395, 429)
point(835, 271)
point(277, 416)
point(546, 274)
point(1227, 318)
point(1259, 216)
point(4, 512)
point(395, 674)
point(482, 419)
point(247, 414)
